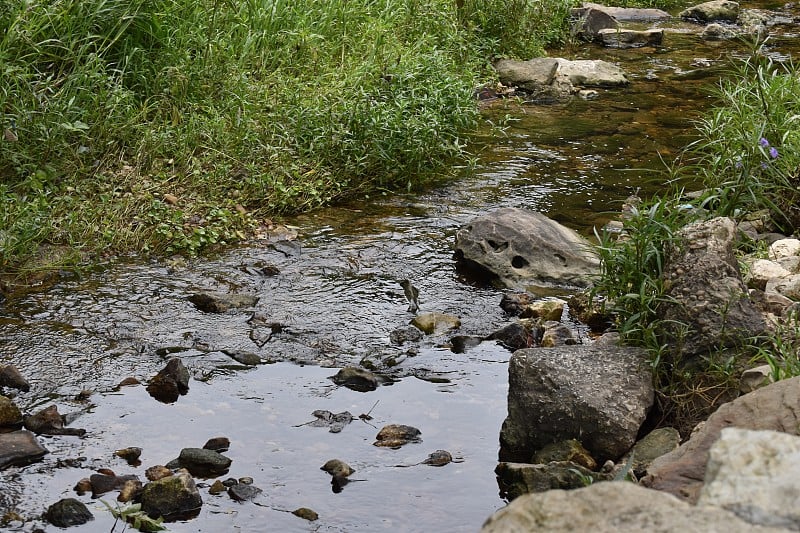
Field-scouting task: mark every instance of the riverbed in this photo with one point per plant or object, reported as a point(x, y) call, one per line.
point(331, 280)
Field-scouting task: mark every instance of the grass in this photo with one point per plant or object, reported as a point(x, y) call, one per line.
point(238, 111)
point(747, 158)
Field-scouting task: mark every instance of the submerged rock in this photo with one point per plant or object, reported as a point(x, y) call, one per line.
point(11, 377)
point(631, 38)
point(242, 492)
point(334, 421)
point(516, 479)
point(438, 458)
point(337, 467)
point(306, 514)
point(103, 483)
point(435, 323)
point(396, 435)
point(68, 512)
point(357, 379)
point(20, 448)
point(568, 450)
point(714, 11)
point(219, 302)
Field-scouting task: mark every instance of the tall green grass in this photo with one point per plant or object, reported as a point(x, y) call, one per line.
point(269, 105)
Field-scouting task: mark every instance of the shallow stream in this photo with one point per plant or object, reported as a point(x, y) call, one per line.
point(334, 288)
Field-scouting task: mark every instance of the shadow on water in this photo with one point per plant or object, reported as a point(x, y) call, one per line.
point(335, 294)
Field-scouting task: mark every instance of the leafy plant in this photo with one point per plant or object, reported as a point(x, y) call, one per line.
point(132, 514)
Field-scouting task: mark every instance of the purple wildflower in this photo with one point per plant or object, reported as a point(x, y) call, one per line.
point(763, 142)
point(773, 153)
point(764, 165)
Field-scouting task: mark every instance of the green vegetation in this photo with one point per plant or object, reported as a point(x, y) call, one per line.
point(232, 111)
point(747, 158)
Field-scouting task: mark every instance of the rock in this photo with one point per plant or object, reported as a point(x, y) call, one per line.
point(396, 435)
point(706, 305)
point(130, 454)
point(718, 32)
point(761, 271)
point(68, 512)
point(157, 472)
point(630, 14)
point(788, 286)
point(10, 415)
point(334, 421)
point(20, 448)
point(565, 451)
point(590, 311)
point(435, 323)
point(755, 378)
point(556, 334)
point(513, 337)
point(171, 497)
point(784, 248)
point(775, 407)
point(129, 490)
point(518, 246)
point(592, 73)
point(625, 38)
point(220, 302)
point(438, 458)
point(754, 474)
point(218, 487)
point(337, 468)
point(552, 309)
point(771, 303)
point(401, 336)
point(306, 514)
point(204, 463)
point(655, 444)
point(11, 377)
point(714, 11)
point(170, 383)
point(242, 492)
point(243, 357)
point(615, 507)
point(102, 483)
point(513, 303)
point(462, 343)
point(49, 422)
point(516, 479)
point(598, 394)
point(356, 379)
point(218, 444)
point(83, 486)
point(535, 76)
point(589, 22)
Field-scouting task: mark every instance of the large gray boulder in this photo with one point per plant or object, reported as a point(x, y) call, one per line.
point(625, 38)
point(613, 507)
point(714, 11)
point(525, 247)
point(775, 407)
point(598, 394)
point(630, 14)
point(706, 305)
point(755, 475)
point(19, 448)
point(591, 73)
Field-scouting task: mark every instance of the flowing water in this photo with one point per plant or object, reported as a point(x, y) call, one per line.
point(335, 291)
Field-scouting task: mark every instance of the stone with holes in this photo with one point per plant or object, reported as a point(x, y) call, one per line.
point(520, 247)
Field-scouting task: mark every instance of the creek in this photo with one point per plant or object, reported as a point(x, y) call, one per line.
point(334, 289)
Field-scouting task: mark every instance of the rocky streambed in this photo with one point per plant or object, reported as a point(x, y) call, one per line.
point(261, 332)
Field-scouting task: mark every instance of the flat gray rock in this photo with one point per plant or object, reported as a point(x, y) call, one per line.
point(20, 448)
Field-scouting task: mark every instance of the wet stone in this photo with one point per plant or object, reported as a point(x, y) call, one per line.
point(568, 450)
point(513, 303)
point(157, 472)
point(242, 492)
point(130, 454)
point(334, 421)
point(396, 435)
point(306, 514)
point(245, 358)
point(356, 379)
point(170, 383)
point(218, 487)
point(401, 336)
point(19, 448)
point(171, 497)
point(462, 343)
point(49, 422)
point(10, 415)
point(435, 323)
point(129, 490)
point(103, 483)
point(217, 302)
point(337, 467)
point(218, 444)
point(204, 463)
point(513, 337)
point(438, 458)
point(11, 377)
point(83, 486)
point(68, 512)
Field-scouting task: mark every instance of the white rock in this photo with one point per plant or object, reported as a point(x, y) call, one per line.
point(784, 248)
point(763, 270)
point(755, 475)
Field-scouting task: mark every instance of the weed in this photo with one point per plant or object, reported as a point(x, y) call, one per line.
point(132, 514)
